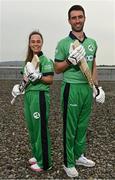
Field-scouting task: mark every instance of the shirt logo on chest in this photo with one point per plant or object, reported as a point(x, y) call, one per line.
point(91, 47)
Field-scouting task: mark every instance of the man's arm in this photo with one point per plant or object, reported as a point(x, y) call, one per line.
point(73, 59)
point(94, 73)
point(61, 66)
point(100, 94)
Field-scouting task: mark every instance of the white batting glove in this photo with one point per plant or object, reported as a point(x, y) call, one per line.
point(16, 91)
point(29, 69)
point(99, 95)
point(31, 73)
point(34, 76)
point(76, 55)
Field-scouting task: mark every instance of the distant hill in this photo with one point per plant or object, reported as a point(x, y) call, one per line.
point(11, 63)
point(21, 63)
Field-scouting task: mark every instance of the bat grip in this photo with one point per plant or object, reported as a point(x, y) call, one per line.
point(94, 89)
point(13, 100)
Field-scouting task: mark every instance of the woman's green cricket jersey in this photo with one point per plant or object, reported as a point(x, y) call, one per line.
point(46, 68)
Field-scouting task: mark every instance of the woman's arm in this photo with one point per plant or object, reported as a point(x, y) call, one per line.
point(47, 79)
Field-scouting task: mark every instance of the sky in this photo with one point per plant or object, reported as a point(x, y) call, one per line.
point(19, 17)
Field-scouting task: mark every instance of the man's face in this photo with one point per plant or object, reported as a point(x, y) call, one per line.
point(35, 43)
point(77, 20)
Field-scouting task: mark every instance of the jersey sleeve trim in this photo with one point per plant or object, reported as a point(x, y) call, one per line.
point(48, 73)
point(57, 60)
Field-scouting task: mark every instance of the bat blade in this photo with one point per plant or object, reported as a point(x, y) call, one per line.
point(24, 83)
point(35, 61)
point(84, 66)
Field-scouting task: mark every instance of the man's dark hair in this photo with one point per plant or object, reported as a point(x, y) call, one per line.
point(76, 8)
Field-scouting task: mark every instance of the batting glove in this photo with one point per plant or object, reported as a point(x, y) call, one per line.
point(76, 55)
point(16, 91)
point(99, 95)
point(31, 73)
point(34, 76)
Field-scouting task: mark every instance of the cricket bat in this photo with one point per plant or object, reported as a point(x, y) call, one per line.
point(24, 82)
point(85, 68)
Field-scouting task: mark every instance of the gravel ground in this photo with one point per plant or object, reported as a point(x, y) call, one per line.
point(15, 149)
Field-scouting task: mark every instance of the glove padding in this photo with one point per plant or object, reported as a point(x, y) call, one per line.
point(76, 55)
point(16, 91)
point(31, 72)
point(99, 95)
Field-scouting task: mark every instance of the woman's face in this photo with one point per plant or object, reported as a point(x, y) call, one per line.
point(36, 43)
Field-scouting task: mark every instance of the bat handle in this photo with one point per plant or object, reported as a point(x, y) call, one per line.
point(94, 89)
point(13, 100)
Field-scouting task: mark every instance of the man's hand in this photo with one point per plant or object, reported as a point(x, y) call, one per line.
point(76, 55)
point(31, 72)
point(16, 91)
point(99, 95)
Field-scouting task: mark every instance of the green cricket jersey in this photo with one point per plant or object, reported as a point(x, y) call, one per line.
point(46, 68)
point(73, 74)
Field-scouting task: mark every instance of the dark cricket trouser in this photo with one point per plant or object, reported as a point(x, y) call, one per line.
point(36, 110)
point(76, 106)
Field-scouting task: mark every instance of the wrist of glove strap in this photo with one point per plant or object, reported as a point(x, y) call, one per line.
point(68, 62)
point(71, 61)
point(35, 76)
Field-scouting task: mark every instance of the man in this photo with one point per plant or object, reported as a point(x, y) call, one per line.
point(76, 94)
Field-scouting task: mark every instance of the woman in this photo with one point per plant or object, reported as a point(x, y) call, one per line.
point(37, 103)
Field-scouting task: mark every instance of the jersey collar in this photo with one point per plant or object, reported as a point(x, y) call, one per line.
point(72, 36)
point(40, 53)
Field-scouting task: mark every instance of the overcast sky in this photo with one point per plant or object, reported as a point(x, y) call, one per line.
point(19, 17)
